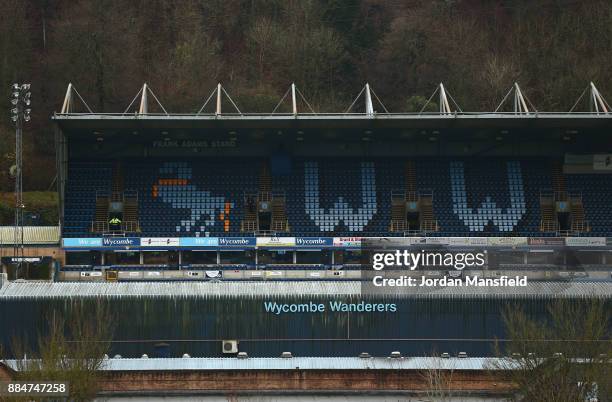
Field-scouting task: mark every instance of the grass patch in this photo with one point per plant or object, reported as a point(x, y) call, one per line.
point(43, 203)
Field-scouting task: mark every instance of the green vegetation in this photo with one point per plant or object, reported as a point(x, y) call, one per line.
point(43, 203)
point(329, 48)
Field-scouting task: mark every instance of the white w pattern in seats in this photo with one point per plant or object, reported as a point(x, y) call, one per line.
point(328, 220)
point(488, 210)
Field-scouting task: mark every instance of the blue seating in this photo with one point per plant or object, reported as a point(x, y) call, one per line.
point(84, 180)
point(596, 192)
point(340, 196)
point(191, 199)
point(333, 196)
point(486, 196)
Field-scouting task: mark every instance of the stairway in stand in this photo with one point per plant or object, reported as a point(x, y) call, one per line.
point(249, 217)
point(100, 223)
point(279, 214)
point(411, 200)
point(278, 219)
point(548, 216)
point(264, 182)
point(410, 174)
point(398, 213)
point(561, 200)
point(130, 212)
point(117, 183)
point(558, 182)
point(428, 219)
point(579, 223)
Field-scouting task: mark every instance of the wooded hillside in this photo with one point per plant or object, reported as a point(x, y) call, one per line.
point(182, 48)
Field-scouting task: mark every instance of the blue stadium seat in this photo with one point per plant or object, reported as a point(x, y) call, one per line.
point(333, 196)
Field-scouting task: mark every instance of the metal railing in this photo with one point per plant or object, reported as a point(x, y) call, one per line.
point(116, 196)
point(99, 226)
point(130, 226)
point(426, 192)
point(429, 225)
point(125, 227)
point(581, 225)
point(399, 225)
point(280, 225)
point(264, 196)
point(249, 226)
point(548, 195)
point(130, 194)
point(549, 226)
point(382, 115)
point(411, 196)
point(412, 233)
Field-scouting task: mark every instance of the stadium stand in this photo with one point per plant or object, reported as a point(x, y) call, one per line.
point(340, 197)
point(596, 193)
point(87, 182)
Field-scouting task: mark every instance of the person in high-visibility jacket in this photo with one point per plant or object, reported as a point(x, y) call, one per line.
point(114, 223)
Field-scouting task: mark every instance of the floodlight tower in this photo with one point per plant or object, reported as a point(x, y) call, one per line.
point(20, 114)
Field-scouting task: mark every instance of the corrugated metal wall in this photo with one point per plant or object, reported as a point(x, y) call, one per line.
point(196, 325)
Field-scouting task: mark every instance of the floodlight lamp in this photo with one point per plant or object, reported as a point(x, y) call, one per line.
point(15, 87)
point(14, 118)
point(28, 111)
point(14, 101)
point(26, 117)
point(25, 87)
point(28, 102)
point(14, 110)
point(15, 94)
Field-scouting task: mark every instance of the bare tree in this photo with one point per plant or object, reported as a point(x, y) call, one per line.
point(439, 380)
point(563, 358)
point(72, 350)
